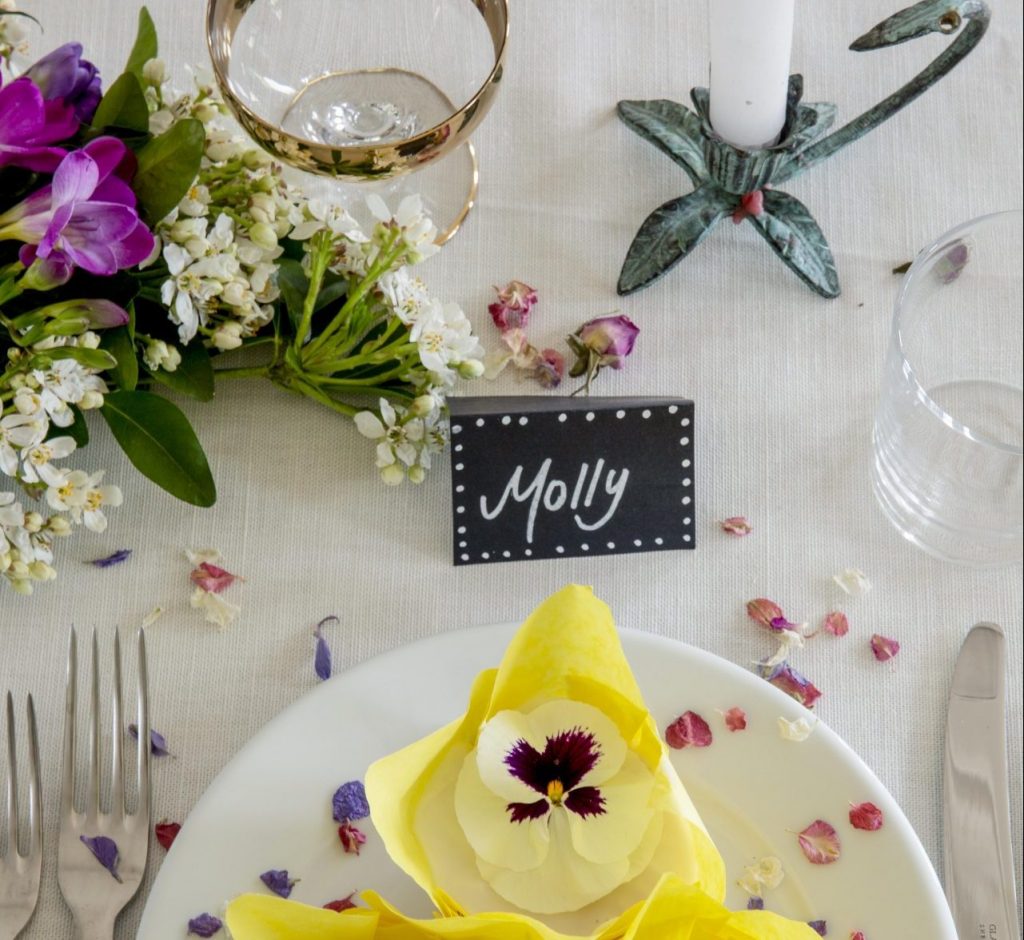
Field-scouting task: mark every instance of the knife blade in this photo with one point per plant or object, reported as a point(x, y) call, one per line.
point(976, 804)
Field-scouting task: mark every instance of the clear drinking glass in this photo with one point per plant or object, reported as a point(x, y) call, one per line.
point(365, 90)
point(948, 464)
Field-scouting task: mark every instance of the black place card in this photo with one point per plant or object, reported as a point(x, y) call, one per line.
point(538, 477)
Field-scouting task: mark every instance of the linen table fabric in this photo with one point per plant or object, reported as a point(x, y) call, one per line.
point(785, 386)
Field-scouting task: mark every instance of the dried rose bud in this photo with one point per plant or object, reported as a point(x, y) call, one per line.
point(763, 611)
point(736, 525)
point(865, 816)
point(612, 338)
point(883, 647)
point(688, 730)
point(511, 311)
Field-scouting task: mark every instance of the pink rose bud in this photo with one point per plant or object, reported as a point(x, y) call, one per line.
point(511, 311)
point(610, 337)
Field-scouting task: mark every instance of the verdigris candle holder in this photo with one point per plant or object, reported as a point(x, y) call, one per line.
point(741, 183)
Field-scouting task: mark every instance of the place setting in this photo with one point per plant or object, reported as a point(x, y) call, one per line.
point(353, 586)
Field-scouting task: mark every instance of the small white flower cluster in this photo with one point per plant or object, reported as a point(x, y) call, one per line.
point(33, 401)
point(13, 32)
point(221, 242)
point(406, 437)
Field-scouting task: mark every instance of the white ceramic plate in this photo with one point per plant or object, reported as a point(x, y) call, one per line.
point(271, 806)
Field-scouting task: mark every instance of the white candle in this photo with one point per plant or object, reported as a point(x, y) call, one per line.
point(751, 42)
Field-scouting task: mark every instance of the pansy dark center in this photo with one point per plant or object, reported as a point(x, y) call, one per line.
point(555, 773)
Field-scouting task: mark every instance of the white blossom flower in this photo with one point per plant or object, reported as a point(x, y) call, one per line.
point(399, 437)
point(160, 355)
point(445, 337)
point(18, 431)
point(418, 232)
point(36, 458)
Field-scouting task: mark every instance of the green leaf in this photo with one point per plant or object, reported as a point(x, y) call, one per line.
point(124, 105)
point(118, 342)
point(669, 234)
point(294, 285)
point(90, 358)
point(194, 375)
point(674, 129)
point(168, 165)
point(161, 444)
point(145, 47)
point(795, 237)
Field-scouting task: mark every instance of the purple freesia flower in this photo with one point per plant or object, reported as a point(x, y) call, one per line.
point(30, 125)
point(86, 217)
point(612, 338)
point(63, 75)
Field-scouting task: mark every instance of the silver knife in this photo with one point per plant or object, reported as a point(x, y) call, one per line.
point(977, 853)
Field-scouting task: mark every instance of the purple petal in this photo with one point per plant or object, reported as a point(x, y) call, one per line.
point(109, 561)
point(755, 904)
point(521, 811)
point(349, 802)
point(22, 112)
point(205, 925)
point(134, 248)
point(585, 801)
point(40, 159)
point(55, 226)
point(75, 179)
point(114, 189)
point(567, 757)
point(157, 742)
point(820, 926)
point(106, 853)
point(102, 314)
point(322, 655)
point(278, 881)
point(110, 154)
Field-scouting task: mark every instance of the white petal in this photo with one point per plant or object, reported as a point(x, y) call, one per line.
point(628, 809)
point(562, 882)
point(387, 412)
point(489, 829)
point(369, 425)
point(378, 207)
point(385, 455)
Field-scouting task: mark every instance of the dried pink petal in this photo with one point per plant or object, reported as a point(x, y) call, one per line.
point(763, 611)
point(736, 525)
point(351, 836)
point(751, 205)
point(836, 623)
point(857, 935)
point(883, 647)
point(865, 816)
point(688, 730)
point(511, 311)
point(791, 682)
point(820, 843)
point(212, 578)
point(735, 718)
point(342, 904)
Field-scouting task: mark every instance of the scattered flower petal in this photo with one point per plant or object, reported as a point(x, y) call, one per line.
point(755, 904)
point(853, 581)
point(819, 926)
point(152, 617)
point(550, 368)
point(751, 205)
point(511, 311)
point(122, 554)
point(217, 610)
point(857, 935)
point(902, 268)
point(322, 655)
point(105, 850)
point(769, 870)
point(785, 677)
point(820, 843)
point(735, 718)
point(866, 816)
point(763, 611)
point(951, 265)
point(788, 640)
point(157, 742)
point(688, 730)
point(352, 837)
point(341, 904)
point(799, 730)
point(883, 647)
point(277, 880)
point(196, 558)
point(212, 578)
point(205, 925)
point(349, 802)
point(836, 623)
point(736, 525)
point(166, 833)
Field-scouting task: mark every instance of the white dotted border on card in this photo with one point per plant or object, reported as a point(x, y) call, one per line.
point(511, 422)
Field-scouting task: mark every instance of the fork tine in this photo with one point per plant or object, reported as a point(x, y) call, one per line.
point(92, 797)
point(67, 789)
point(12, 786)
point(117, 732)
point(35, 809)
point(142, 811)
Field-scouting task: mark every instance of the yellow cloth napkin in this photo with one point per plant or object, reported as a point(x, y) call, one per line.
point(630, 852)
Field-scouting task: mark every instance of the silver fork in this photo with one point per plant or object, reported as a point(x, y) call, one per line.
point(19, 874)
point(95, 894)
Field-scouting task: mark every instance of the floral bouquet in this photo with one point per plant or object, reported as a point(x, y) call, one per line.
point(548, 808)
point(141, 237)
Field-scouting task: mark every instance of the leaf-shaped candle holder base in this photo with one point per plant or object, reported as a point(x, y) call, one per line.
point(729, 181)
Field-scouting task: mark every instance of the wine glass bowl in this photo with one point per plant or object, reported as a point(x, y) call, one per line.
point(356, 90)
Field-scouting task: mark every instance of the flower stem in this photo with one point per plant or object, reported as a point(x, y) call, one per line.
point(320, 251)
point(242, 372)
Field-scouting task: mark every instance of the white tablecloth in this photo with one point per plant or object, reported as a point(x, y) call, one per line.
point(785, 385)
